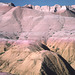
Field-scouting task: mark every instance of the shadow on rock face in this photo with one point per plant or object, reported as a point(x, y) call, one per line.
point(47, 71)
point(45, 47)
point(38, 47)
point(52, 67)
point(70, 69)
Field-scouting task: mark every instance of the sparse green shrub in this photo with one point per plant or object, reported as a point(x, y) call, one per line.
point(6, 37)
point(17, 37)
point(20, 60)
point(57, 49)
point(2, 53)
point(69, 62)
point(53, 47)
point(8, 44)
point(5, 49)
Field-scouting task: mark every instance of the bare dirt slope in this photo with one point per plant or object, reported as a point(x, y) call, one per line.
point(32, 59)
point(25, 23)
point(28, 58)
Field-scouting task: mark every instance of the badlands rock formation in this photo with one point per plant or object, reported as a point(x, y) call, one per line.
point(56, 9)
point(73, 6)
point(26, 58)
point(7, 4)
point(32, 38)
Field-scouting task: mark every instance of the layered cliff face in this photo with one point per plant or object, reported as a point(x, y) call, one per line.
point(32, 38)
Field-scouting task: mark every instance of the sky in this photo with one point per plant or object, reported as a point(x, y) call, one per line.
point(40, 2)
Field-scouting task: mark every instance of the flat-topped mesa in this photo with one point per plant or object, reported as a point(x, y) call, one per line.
point(6, 4)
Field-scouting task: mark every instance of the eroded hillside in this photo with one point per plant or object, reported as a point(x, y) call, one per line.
point(37, 40)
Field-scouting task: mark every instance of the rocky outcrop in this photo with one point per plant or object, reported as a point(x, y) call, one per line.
point(42, 8)
point(29, 6)
point(7, 4)
point(56, 9)
point(37, 8)
point(73, 6)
